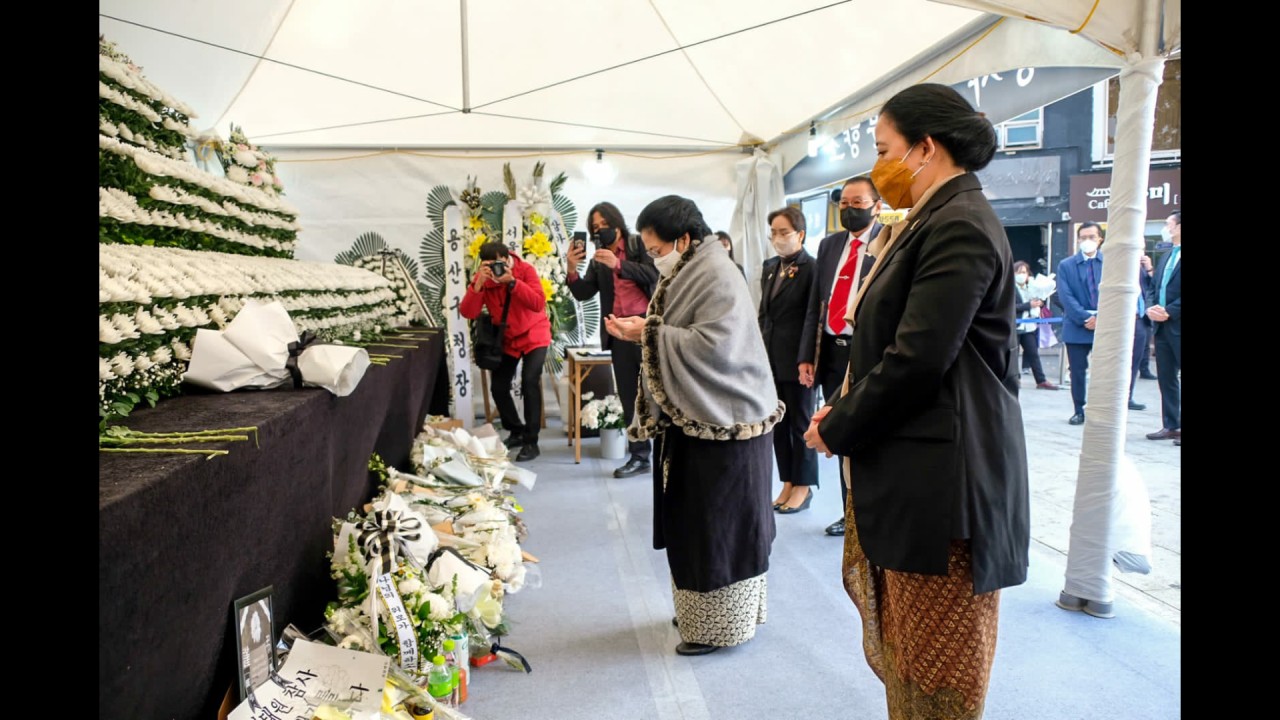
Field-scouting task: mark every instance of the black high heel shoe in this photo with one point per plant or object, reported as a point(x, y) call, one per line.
point(784, 510)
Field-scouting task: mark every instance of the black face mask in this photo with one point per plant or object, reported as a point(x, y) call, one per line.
point(604, 237)
point(856, 219)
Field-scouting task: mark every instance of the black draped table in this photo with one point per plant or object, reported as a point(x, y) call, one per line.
point(181, 537)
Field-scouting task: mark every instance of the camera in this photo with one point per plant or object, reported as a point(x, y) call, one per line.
point(498, 268)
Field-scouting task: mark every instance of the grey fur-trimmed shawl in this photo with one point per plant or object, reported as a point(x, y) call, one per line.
point(703, 361)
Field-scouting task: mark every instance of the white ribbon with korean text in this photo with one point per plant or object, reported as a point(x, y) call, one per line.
point(399, 618)
point(459, 340)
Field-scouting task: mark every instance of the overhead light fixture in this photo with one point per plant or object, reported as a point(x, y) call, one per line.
point(814, 143)
point(600, 171)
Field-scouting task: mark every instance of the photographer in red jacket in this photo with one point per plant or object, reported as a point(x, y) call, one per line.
point(527, 337)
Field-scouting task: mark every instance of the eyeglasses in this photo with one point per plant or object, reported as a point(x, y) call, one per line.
point(781, 233)
point(653, 252)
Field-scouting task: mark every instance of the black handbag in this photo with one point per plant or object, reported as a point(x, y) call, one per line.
point(488, 343)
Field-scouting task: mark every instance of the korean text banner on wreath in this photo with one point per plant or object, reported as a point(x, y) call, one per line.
point(513, 227)
point(459, 333)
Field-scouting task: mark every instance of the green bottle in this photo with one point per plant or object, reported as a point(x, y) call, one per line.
point(440, 680)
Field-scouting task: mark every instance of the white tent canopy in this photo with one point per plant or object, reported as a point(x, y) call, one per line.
point(646, 80)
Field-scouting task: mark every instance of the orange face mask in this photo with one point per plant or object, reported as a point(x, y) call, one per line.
point(893, 179)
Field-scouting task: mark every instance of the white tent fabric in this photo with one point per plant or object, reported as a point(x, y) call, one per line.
point(341, 194)
point(759, 193)
point(617, 74)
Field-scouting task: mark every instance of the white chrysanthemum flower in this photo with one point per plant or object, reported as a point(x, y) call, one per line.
point(201, 317)
point(142, 363)
point(237, 174)
point(162, 356)
point(410, 586)
point(167, 320)
point(104, 370)
point(217, 315)
point(125, 325)
point(441, 609)
point(122, 365)
point(108, 333)
point(246, 158)
point(185, 316)
point(180, 350)
point(147, 323)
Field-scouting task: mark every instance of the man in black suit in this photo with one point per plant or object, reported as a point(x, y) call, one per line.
point(1164, 307)
point(842, 262)
point(624, 275)
point(785, 283)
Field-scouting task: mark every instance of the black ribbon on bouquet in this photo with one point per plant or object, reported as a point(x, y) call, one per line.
point(295, 349)
point(512, 658)
point(387, 534)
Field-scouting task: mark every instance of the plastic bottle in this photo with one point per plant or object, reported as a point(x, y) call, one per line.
point(440, 681)
point(462, 656)
point(451, 661)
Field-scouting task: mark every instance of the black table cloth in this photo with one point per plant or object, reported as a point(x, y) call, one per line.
point(181, 537)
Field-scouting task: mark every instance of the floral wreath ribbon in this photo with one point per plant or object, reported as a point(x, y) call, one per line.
point(385, 534)
point(295, 349)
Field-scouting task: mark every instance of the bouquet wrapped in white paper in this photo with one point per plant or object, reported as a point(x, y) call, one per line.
point(1042, 286)
point(260, 346)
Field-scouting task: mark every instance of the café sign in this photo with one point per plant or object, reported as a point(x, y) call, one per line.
point(1091, 195)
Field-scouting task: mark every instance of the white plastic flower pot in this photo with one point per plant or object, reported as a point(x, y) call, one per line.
point(613, 444)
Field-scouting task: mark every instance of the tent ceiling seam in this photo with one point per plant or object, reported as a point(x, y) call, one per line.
point(660, 54)
point(694, 66)
point(256, 64)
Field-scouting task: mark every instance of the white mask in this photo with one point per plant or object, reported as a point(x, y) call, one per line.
point(1165, 235)
point(1021, 278)
point(1088, 247)
point(666, 263)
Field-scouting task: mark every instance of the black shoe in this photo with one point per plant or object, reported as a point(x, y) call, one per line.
point(1136, 406)
point(784, 510)
point(835, 528)
point(1077, 419)
point(528, 452)
point(634, 466)
point(1147, 376)
point(688, 648)
point(515, 439)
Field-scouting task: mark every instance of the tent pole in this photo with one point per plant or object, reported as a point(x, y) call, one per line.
point(466, 65)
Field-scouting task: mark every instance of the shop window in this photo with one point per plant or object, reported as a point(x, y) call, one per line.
point(1023, 132)
point(1166, 140)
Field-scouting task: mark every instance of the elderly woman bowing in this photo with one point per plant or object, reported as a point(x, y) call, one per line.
point(709, 404)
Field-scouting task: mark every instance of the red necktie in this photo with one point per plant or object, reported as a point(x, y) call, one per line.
point(840, 295)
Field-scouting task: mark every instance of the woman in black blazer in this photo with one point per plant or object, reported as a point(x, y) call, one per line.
point(785, 282)
point(929, 421)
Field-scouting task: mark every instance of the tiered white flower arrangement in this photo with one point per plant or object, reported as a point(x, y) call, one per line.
point(149, 194)
point(152, 300)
